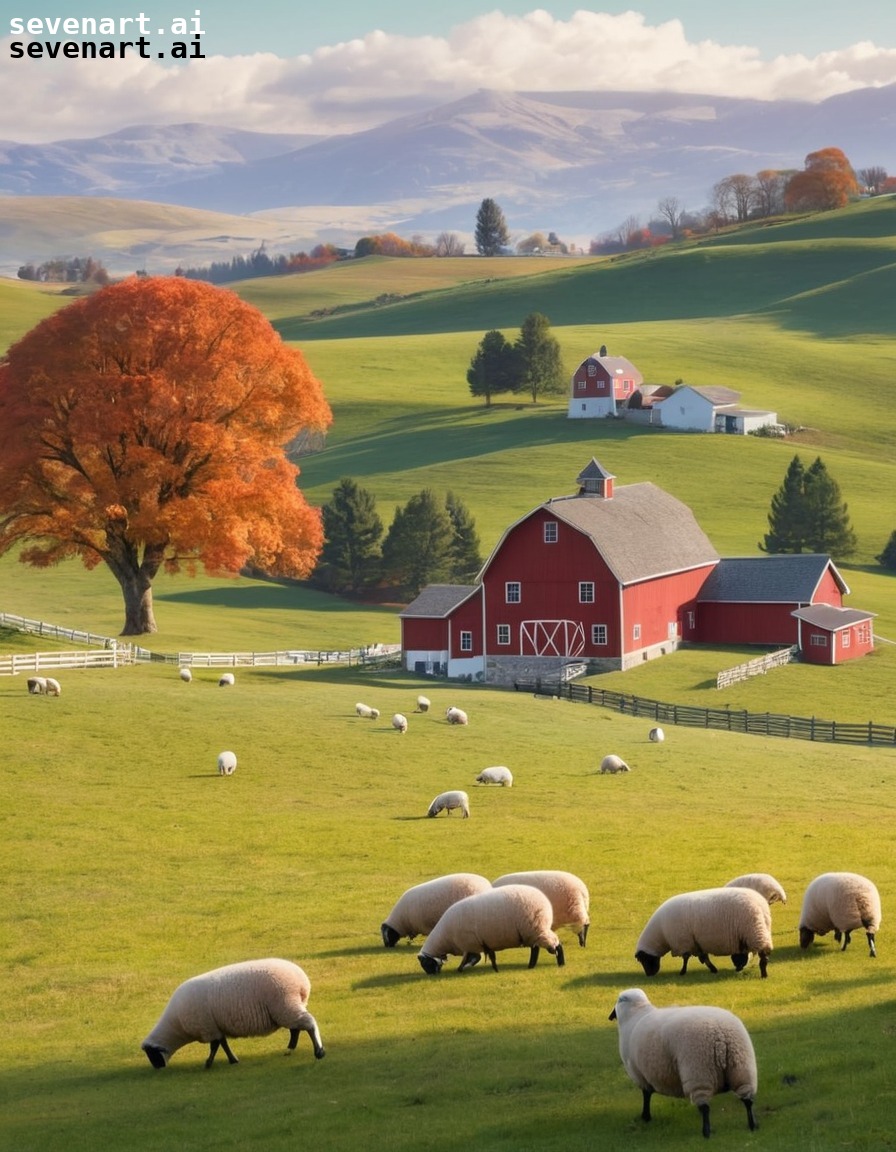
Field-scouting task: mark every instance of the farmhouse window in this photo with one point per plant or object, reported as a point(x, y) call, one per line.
point(586, 591)
point(550, 531)
point(466, 641)
point(513, 592)
point(818, 640)
point(503, 633)
point(636, 632)
point(598, 633)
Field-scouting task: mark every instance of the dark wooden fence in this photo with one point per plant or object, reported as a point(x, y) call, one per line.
point(727, 719)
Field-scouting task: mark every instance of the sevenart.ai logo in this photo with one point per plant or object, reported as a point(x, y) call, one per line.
point(106, 37)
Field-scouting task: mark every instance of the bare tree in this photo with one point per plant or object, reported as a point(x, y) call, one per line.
point(735, 196)
point(872, 179)
point(449, 244)
point(768, 199)
point(671, 210)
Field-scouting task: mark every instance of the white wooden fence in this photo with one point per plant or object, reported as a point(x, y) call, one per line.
point(115, 657)
point(756, 667)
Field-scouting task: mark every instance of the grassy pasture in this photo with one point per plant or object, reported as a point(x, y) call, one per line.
point(129, 865)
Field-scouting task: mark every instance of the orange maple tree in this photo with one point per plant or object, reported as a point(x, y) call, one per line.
point(827, 181)
point(144, 427)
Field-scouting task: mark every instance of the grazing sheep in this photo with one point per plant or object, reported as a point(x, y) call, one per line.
point(719, 921)
point(400, 723)
point(254, 998)
point(418, 910)
point(366, 712)
point(568, 895)
point(227, 680)
point(185, 674)
point(497, 775)
point(226, 763)
point(456, 716)
point(447, 801)
point(842, 901)
point(511, 917)
point(613, 764)
point(762, 883)
point(656, 735)
point(423, 704)
point(37, 685)
point(54, 688)
point(695, 1052)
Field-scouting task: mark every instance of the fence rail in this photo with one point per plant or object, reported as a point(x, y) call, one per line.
point(53, 631)
point(730, 720)
point(756, 667)
point(116, 657)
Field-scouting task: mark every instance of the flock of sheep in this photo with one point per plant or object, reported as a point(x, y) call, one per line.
point(694, 1052)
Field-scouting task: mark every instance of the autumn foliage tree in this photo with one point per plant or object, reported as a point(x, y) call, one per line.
point(827, 181)
point(143, 428)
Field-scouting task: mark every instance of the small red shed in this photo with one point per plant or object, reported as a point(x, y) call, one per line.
point(829, 635)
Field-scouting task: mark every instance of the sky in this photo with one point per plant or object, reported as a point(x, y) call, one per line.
point(347, 65)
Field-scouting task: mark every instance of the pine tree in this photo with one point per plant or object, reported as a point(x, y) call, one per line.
point(540, 364)
point(787, 518)
point(466, 559)
point(350, 560)
point(493, 368)
point(491, 233)
point(887, 558)
point(828, 528)
point(417, 548)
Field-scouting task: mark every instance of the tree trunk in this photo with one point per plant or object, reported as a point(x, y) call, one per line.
point(135, 580)
point(138, 614)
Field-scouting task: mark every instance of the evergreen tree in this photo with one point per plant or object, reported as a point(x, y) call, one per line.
point(466, 559)
point(828, 527)
point(417, 548)
point(491, 233)
point(787, 518)
point(493, 368)
point(887, 558)
point(350, 560)
point(539, 362)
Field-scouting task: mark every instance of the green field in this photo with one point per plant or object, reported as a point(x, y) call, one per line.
point(129, 865)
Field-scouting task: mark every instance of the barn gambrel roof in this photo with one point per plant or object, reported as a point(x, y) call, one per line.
point(784, 578)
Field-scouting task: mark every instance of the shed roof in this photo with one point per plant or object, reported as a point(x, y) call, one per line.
point(779, 579)
point(717, 395)
point(831, 619)
point(438, 600)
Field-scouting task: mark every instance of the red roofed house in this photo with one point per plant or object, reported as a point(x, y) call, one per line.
point(610, 577)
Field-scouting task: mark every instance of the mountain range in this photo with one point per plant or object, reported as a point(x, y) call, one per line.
point(576, 163)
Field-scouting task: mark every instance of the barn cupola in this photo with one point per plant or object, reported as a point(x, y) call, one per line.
point(594, 480)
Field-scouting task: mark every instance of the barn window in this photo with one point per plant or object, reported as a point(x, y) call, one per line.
point(598, 633)
point(513, 592)
point(818, 640)
point(592, 369)
point(466, 641)
point(503, 633)
point(863, 634)
point(636, 632)
point(581, 385)
point(550, 531)
point(586, 591)
point(584, 409)
point(846, 638)
point(692, 620)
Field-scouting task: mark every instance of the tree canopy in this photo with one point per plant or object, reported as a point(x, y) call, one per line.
point(418, 545)
point(540, 363)
point(350, 560)
point(143, 427)
point(827, 181)
point(491, 233)
point(493, 368)
point(808, 515)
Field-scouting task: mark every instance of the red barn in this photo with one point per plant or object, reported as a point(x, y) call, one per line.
point(601, 384)
point(830, 635)
point(441, 631)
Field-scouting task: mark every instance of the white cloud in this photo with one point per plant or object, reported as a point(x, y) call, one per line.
point(363, 82)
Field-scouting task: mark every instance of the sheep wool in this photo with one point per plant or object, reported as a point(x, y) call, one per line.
point(418, 910)
point(613, 764)
point(400, 723)
point(53, 688)
point(253, 998)
point(762, 883)
point(186, 675)
point(694, 1052)
point(569, 897)
point(718, 921)
point(37, 685)
point(656, 735)
point(226, 763)
point(844, 902)
point(515, 916)
point(456, 716)
point(227, 680)
point(448, 801)
point(497, 775)
point(423, 704)
point(366, 712)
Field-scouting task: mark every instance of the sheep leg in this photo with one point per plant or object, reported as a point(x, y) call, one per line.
point(561, 955)
point(213, 1051)
point(646, 1093)
point(846, 940)
point(704, 959)
point(704, 1112)
point(533, 955)
point(470, 960)
point(763, 964)
point(685, 956)
point(751, 1119)
point(871, 948)
point(583, 935)
point(491, 955)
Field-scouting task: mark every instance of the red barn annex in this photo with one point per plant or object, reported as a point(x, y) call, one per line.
point(608, 577)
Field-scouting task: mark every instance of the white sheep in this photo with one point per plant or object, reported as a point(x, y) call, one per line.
point(417, 911)
point(719, 921)
point(613, 764)
point(697, 1052)
point(226, 763)
point(762, 883)
point(517, 915)
point(253, 998)
point(456, 716)
point(185, 674)
point(54, 688)
point(569, 896)
point(37, 685)
point(400, 723)
point(842, 901)
point(448, 801)
point(423, 704)
point(227, 680)
point(497, 775)
point(656, 735)
point(366, 712)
